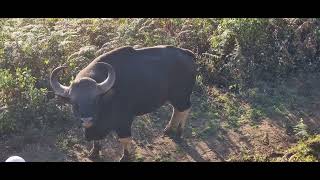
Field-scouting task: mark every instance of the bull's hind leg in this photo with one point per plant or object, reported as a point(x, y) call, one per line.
point(177, 122)
point(127, 144)
point(94, 152)
point(181, 85)
point(182, 121)
point(180, 100)
point(173, 124)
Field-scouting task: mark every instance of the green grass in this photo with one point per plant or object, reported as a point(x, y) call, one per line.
point(306, 150)
point(65, 142)
point(139, 157)
point(222, 108)
point(248, 155)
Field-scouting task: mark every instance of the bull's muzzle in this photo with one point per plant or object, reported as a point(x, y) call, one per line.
point(86, 122)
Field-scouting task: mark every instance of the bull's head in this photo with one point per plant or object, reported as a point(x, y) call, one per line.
point(83, 93)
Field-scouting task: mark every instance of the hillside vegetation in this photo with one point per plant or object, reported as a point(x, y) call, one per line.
point(257, 96)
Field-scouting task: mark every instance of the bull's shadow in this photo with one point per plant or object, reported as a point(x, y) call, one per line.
point(183, 143)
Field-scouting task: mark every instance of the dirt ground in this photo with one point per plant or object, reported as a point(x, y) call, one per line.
point(265, 141)
point(154, 147)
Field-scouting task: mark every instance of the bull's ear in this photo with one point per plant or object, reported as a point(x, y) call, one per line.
point(63, 100)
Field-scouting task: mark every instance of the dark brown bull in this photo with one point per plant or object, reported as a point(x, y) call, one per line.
point(128, 82)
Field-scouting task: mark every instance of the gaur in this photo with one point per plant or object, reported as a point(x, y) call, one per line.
point(124, 83)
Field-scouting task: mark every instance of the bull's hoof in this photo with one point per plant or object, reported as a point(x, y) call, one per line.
point(174, 134)
point(126, 157)
point(94, 154)
point(179, 132)
point(169, 130)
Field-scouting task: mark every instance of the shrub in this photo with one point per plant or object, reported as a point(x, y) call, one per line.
point(245, 50)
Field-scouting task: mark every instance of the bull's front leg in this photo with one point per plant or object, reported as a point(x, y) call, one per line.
point(124, 122)
point(127, 144)
point(94, 152)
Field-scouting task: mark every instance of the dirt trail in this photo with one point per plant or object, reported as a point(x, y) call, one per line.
point(264, 141)
point(151, 145)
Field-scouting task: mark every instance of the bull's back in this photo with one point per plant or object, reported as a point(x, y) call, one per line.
point(143, 82)
point(143, 75)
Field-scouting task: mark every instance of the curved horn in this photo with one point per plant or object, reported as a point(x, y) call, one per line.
point(109, 82)
point(58, 89)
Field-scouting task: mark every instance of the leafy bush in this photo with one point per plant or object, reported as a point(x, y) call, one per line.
point(306, 150)
point(25, 105)
point(248, 49)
